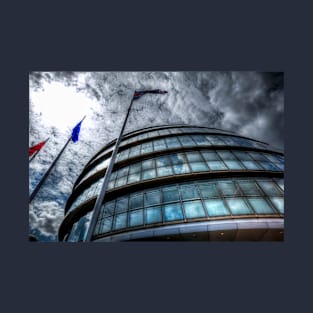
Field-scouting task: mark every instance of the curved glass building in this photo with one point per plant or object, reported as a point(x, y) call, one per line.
point(181, 182)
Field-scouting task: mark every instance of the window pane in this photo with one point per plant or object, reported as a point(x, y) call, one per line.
point(133, 178)
point(251, 165)
point(238, 206)
point(163, 161)
point(242, 156)
point(216, 208)
point(269, 188)
point(280, 183)
point(108, 208)
point(194, 209)
point(260, 206)
point(193, 156)
point(215, 140)
point(164, 171)
point(279, 203)
point(121, 181)
point(106, 225)
point(146, 147)
point(170, 194)
point(153, 215)
point(148, 174)
point(147, 164)
point(136, 201)
point(159, 145)
point(173, 212)
point(134, 151)
point(199, 167)
point(210, 156)
point(134, 168)
point(258, 156)
point(269, 166)
point(226, 155)
point(189, 192)
point(120, 221)
point(152, 198)
point(186, 141)
point(178, 158)
point(208, 190)
point(228, 188)
point(181, 168)
point(216, 165)
point(233, 165)
point(121, 205)
point(249, 188)
point(200, 139)
point(172, 142)
point(136, 218)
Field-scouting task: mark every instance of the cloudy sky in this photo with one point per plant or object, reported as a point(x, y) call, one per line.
point(249, 103)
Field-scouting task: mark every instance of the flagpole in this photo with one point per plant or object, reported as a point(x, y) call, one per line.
point(107, 176)
point(37, 152)
point(33, 194)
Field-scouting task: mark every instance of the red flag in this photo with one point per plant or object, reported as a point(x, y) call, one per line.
point(35, 148)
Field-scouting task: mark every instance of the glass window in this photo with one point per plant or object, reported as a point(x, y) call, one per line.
point(148, 174)
point(216, 208)
point(181, 168)
point(159, 145)
point(186, 141)
point(209, 190)
point(233, 165)
point(136, 218)
point(133, 178)
point(120, 221)
point(122, 172)
point(170, 194)
point(280, 183)
point(108, 208)
point(124, 155)
point(121, 205)
point(269, 188)
point(178, 158)
point(238, 206)
point(189, 192)
point(228, 188)
point(136, 201)
point(134, 151)
point(106, 225)
point(194, 209)
point(152, 197)
point(260, 206)
point(147, 164)
point(173, 212)
point(216, 165)
point(153, 215)
point(146, 147)
point(172, 142)
point(121, 181)
point(200, 140)
point(198, 167)
point(242, 156)
point(164, 171)
point(163, 161)
point(215, 140)
point(251, 165)
point(134, 168)
point(269, 166)
point(194, 157)
point(249, 188)
point(279, 203)
point(210, 156)
point(258, 156)
point(226, 155)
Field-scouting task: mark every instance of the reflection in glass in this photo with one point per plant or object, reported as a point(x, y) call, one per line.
point(173, 212)
point(194, 209)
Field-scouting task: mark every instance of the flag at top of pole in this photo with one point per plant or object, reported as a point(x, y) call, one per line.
point(35, 148)
point(138, 94)
point(76, 130)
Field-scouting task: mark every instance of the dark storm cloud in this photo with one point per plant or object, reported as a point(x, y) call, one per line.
point(249, 103)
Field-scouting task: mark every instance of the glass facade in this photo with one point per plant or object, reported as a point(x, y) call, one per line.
point(168, 143)
point(190, 198)
point(183, 163)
